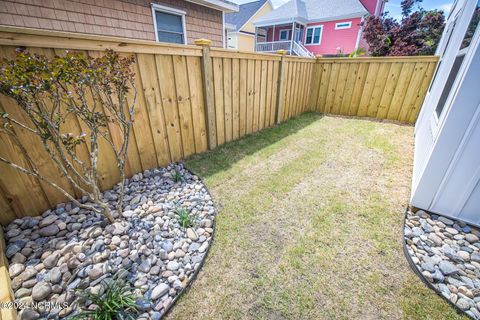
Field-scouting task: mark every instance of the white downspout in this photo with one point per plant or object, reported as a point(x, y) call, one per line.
point(359, 34)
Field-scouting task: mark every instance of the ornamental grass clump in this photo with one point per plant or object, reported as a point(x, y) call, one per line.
point(184, 218)
point(117, 302)
point(51, 94)
point(177, 176)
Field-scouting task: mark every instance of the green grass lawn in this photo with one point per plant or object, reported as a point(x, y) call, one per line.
point(309, 226)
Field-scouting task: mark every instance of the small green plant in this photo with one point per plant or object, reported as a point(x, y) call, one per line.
point(116, 302)
point(184, 218)
point(359, 52)
point(177, 176)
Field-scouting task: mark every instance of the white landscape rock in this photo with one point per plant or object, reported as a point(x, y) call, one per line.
point(160, 290)
point(447, 253)
point(69, 248)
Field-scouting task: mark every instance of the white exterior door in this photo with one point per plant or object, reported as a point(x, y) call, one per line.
point(447, 113)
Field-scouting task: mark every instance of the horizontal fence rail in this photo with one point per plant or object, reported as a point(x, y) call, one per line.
point(194, 98)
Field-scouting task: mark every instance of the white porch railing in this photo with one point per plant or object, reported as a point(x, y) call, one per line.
point(273, 46)
point(301, 51)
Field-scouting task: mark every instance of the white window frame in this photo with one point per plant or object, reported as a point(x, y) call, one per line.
point(313, 33)
point(280, 35)
point(348, 26)
point(165, 9)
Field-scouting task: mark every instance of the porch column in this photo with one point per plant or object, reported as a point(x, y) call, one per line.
point(256, 34)
point(293, 37)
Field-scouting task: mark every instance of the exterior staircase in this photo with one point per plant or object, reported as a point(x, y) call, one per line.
point(299, 50)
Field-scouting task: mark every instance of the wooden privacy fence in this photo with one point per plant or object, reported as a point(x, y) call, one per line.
point(194, 98)
point(385, 88)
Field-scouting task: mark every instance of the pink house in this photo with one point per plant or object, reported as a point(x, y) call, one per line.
point(315, 27)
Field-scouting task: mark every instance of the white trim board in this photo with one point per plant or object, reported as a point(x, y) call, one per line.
point(217, 5)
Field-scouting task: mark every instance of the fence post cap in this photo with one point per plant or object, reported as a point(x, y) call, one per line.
point(282, 51)
point(203, 42)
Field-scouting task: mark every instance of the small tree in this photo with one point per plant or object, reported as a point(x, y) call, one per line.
point(418, 33)
point(47, 91)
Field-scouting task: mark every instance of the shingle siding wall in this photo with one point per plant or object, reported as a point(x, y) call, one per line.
point(127, 18)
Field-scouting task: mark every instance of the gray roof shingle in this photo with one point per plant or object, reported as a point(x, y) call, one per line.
point(247, 10)
point(313, 10)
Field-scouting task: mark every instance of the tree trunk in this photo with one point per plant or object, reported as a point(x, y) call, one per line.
point(106, 212)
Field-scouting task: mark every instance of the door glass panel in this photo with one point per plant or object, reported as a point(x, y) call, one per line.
point(448, 86)
point(467, 39)
point(449, 37)
point(471, 27)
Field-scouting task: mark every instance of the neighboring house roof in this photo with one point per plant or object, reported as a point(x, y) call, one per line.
point(313, 11)
point(222, 5)
point(246, 12)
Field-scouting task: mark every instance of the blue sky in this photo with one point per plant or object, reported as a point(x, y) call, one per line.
point(393, 6)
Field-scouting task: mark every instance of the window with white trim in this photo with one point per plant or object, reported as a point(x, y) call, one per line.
point(343, 25)
point(284, 34)
point(169, 24)
point(313, 35)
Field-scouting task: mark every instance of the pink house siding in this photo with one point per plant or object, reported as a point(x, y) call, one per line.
point(370, 5)
point(277, 33)
point(346, 39)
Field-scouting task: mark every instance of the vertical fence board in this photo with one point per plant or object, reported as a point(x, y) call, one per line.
point(153, 102)
point(227, 87)
point(243, 97)
point(332, 85)
point(400, 90)
point(358, 90)
point(315, 85)
point(389, 90)
point(412, 117)
point(184, 104)
point(268, 98)
point(349, 87)
point(285, 96)
point(256, 94)
point(378, 90)
point(368, 89)
point(168, 95)
point(275, 90)
point(219, 99)
point(197, 100)
point(250, 94)
point(235, 99)
point(293, 90)
point(263, 95)
point(340, 88)
point(411, 94)
point(322, 94)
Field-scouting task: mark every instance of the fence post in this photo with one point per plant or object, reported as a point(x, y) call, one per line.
point(207, 79)
point(281, 73)
point(6, 293)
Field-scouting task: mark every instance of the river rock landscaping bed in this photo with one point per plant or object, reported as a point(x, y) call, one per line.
point(68, 248)
point(447, 253)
